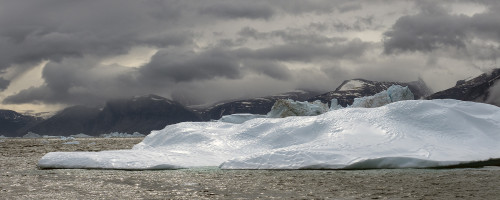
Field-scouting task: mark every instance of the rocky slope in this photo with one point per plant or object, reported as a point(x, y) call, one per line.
point(350, 89)
point(140, 114)
point(477, 89)
point(13, 124)
point(70, 121)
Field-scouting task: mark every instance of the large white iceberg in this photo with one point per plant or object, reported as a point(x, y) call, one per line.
point(417, 133)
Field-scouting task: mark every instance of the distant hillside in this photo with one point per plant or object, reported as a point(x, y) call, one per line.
point(146, 113)
point(140, 114)
point(70, 121)
point(476, 89)
point(350, 89)
point(13, 124)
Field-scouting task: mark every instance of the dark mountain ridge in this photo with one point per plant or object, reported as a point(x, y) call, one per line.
point(476, 89)
point(12, 123)
point(139, 114)
point(69, 121)
point(151, 112)
point(346, 92)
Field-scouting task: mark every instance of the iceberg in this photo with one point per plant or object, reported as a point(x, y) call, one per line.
point(67, 138)
point(72, 142)
point(284, 108)
point(31, 135)
point(121, 135)
point(404, 134)
point(80, 135)
point(394, 93)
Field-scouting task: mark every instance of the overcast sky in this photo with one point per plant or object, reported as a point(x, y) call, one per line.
point(55, 53)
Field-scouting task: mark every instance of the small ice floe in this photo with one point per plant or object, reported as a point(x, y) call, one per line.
point(67, 138)
point(72, 142)
point(122, 135)
point(32, 135)
point(80, 135)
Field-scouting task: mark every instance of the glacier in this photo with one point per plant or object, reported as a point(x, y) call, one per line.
point(404, 134)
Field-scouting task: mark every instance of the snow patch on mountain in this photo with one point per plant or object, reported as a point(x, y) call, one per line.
point(352, 85)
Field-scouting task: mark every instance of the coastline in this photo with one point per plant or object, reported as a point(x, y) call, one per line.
point(21, 179)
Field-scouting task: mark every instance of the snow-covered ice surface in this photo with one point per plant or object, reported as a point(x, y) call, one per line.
point(405, 134)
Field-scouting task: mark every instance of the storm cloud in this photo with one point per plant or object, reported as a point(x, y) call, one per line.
point(434, 28)
point(206, 51)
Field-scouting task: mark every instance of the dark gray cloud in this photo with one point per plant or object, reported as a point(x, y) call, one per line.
point(53, 30)
point(238, 9)
point(80, 81)
point(178, 66)
point(289, 36)
point(360, 24)
point(424, 32)
point(494, 96)
point(210, 50)
point(85, 80)
point(188, 66)
point(434, 28)
point(3, 84)
point(305, 52)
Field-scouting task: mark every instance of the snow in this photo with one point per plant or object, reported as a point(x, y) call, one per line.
point(414, 133)
point(352, 85)
point(2, 136)
point(285, 108)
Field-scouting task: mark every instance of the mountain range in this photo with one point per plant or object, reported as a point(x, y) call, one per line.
point(475, 89)
point(151, 112)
